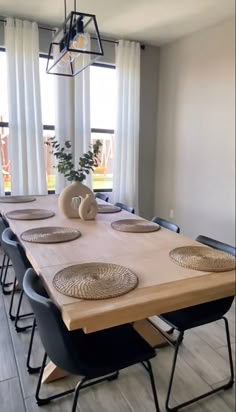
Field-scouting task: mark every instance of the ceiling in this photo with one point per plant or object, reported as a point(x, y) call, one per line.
point(150, 21)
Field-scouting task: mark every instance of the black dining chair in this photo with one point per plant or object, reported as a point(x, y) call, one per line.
point(216, 244)
point(174, 228)
point(5, 260)
point(102, 197)
point(15, 251)
point(166, 224)
point(199, 315)
point(95, 356)
point(125, 207)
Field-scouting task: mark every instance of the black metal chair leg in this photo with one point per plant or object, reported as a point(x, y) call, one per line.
point(206, 394)
point(38, 399)
point(18, 316)
point(12, 317)
point(231, 364)
point(4, 271)
point(179, 340)
point(43, 401)
point(76, 395)
point(149, 369)
point(30, 368)
point(2, 267)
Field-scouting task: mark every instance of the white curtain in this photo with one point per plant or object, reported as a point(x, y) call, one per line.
point(125, 180)
point(26, 147)
point(2, 192)
point(73, 118)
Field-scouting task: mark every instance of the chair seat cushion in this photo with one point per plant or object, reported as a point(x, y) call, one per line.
point(198, 315)
point(110, 350)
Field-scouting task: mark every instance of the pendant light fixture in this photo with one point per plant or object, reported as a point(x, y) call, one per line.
point(76, 45)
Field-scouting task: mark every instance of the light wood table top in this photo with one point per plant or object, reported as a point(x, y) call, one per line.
point(163, 285)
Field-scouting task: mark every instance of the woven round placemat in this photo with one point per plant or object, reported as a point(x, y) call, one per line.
point(135, 225)
point(30, 214)
point(108, 209)
point(16, 199)
point(95, 281)
point(203, 258)
point(50, 234)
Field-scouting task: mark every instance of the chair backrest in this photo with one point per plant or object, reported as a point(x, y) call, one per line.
point(102, 197)
point(125, 207)
point(16, 253)
point(55, 337)
point(216, 244)
point(3, 225)
point(166, 224)
point(220, 306)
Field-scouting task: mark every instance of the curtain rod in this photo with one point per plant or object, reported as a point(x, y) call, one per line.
point(93, 38)
point(53, 30)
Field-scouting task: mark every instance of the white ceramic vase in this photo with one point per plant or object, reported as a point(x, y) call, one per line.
point(88, 207)
point(65, 198)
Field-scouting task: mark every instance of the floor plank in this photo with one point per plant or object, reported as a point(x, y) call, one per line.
point(214, 334)
point(11, 399)
point(224, 352)
point(62, 405)
point(105, 397)
point(203, 359)
point(187, 384)
point(7, 359)
point(134, 384)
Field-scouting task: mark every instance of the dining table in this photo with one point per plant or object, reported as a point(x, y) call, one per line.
point(163, 286)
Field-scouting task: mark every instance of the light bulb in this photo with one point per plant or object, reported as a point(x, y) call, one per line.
point(65, 60)
point(80, 42)
point(73, 45)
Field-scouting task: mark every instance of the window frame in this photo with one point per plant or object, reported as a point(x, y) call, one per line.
point(52, 127)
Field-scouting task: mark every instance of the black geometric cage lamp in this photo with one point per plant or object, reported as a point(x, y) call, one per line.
point(76, 45)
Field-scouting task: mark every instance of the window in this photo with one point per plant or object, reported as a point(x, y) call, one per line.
point(47, 85)
point(102, 94)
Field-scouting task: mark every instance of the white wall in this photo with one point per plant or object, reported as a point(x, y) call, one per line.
point(195, 159)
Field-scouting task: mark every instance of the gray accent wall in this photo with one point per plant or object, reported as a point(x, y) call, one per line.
point(1, 34)
point(195, 154)
point(148, 129)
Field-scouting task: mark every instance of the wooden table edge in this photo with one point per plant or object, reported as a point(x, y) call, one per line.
point(150, 301)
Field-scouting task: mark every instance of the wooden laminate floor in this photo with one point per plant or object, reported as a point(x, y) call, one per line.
point(202, 365)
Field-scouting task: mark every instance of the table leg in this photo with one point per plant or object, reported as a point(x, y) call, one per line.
point(152, 333)
point(53, 373)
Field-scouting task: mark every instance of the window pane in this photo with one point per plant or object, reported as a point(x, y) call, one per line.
point(4, 136)
point(47, 83)
point(50, 161)
point(3, 88)
point(102, 94)
point(103, 174)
